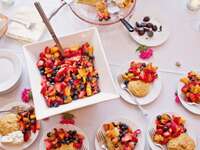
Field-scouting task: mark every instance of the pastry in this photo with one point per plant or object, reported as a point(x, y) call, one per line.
point(183, 142)
point(139, 88)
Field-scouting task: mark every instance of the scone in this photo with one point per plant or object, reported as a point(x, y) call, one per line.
point(183, 142)
point(139, 88)
point(8, 124)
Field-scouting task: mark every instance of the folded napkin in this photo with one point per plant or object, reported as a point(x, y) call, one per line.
point(23, 17)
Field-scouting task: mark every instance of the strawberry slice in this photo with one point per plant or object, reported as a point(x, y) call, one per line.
point(27, 136)
point(48, 144)
point(126, 138)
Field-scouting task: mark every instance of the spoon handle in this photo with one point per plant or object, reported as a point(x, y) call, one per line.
point(128, 26)
point(48, 25)
point(144, 112)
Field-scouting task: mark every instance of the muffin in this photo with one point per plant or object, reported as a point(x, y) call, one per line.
point(8, 124)
point(183, 142)
point(139, 88)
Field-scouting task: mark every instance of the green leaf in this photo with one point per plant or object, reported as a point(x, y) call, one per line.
point(141, 48)
point(68, 116)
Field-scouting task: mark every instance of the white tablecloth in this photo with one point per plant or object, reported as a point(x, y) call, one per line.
point(183, 46)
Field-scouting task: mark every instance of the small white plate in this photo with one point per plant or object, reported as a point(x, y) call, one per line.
point(66, 127)
point(141, 137)
point(152, 125)
point(191, 108)
point(11, 70)
point(154, 92)
point(24, 145)
point(159, 37)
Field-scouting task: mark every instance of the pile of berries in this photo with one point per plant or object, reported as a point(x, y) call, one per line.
point(191, 88)
point(120, 135)
point(67, 77)
point(59, 137)
point(168, 127)
point(146, 27)
point(28, 123)
point(140, 71)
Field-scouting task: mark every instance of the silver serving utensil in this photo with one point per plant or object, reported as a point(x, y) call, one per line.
point(48, 25)
point(101, 140)
point(15, 109)
point(125, 88)
point(114, 9)
point(151, 133)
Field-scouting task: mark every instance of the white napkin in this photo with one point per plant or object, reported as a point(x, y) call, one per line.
point(18, 31)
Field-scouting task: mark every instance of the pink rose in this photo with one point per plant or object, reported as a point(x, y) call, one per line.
point(145, 54)
point(26, 95)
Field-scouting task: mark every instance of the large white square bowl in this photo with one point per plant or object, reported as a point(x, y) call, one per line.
point(106, 83)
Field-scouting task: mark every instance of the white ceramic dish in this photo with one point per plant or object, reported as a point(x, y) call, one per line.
point(152, 125)
point(191, 108)
point(12, 70)
point(141, 138)
point(159, 37)
point(24, 145)
point(66, 127)
point(152, 95)
point(106, 83)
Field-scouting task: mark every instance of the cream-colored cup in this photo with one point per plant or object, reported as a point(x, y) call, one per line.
point(193, 5)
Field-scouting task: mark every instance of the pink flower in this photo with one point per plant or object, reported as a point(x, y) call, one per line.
point(26, 95)
point(145, 54)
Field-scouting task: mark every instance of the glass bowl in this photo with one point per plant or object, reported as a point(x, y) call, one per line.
point(88, 13)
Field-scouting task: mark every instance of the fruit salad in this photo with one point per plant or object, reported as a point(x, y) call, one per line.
point(59, 138)
point(67, 77)
point(120, 136)
point(28, 123)
point(140, 71)
point(191, 88)
point(168, 127)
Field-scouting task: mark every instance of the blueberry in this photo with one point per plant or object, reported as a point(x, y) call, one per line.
point(48, 134)
point(154, 28)
point(74, 77)
point(159, 117)
point(55, 104)
point(149, 25)
point(42, 72)
point(150, 34)
point(160, 29)
point(144, 65)
point(82, 87)
point(141, 32)
point(146, 19)
point(165, 128)
point(64, 97)
point(75, 97)
point(97, 76)
point(71, 82)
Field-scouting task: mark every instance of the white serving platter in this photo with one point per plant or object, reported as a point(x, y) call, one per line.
point(106, 83)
